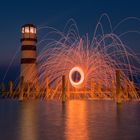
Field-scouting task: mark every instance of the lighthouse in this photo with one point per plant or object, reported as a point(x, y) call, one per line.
point(28, 52)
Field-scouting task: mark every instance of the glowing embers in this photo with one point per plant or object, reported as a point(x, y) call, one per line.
point(76, 76)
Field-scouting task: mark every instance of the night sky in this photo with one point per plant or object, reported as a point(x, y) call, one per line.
point(15, 13)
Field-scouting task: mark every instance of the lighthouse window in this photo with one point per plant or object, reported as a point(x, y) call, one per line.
point(31, 30)
point(26, 29)
point(22, 30)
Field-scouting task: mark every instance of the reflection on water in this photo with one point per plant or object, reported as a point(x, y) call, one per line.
point(74, 120)
point(27, 121)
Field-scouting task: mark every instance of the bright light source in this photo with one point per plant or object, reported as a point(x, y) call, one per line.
point(31, 30)
point(27, 30)
point(80, 72)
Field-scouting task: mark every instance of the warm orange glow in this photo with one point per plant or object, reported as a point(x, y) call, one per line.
point(76, 124)
point(26, 29)
point(78, 69)
point(31, 30)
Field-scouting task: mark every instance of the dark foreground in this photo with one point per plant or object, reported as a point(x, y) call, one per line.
point(76, 120)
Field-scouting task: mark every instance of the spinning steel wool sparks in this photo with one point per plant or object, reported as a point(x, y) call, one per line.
point(89, 66)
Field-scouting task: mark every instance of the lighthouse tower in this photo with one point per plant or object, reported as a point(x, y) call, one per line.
point(28, 52)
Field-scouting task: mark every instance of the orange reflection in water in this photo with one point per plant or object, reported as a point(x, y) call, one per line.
point(27, 122)
point(76, 121)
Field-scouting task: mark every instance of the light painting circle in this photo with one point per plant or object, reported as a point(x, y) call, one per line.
point(81, 73)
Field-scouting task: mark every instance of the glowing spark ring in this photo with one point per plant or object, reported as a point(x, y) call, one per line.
point(80, 71)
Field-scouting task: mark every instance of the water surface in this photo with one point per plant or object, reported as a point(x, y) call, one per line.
point(75, 120)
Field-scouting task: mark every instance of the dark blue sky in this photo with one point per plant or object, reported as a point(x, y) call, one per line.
point(14, 13)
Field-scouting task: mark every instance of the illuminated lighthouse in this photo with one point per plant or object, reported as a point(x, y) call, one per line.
point(28, 52)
